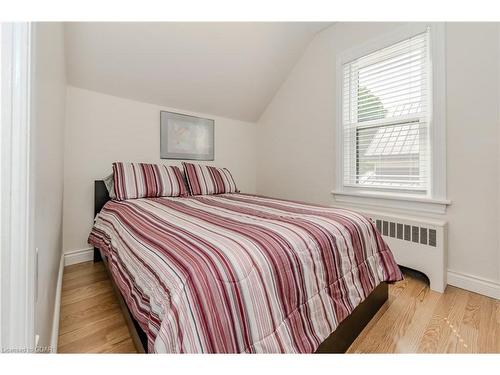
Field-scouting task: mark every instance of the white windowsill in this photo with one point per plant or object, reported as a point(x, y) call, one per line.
point(392, 201)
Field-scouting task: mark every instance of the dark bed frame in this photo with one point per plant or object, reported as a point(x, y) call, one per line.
point(338, 342)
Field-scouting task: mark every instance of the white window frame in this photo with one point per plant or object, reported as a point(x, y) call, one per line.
point(435, 200)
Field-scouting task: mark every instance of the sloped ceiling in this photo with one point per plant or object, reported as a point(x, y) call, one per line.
point(225, 69)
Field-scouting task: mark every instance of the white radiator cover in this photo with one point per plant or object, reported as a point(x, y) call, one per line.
point(424, 249)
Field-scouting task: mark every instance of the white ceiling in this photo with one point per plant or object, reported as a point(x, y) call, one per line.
point(225, 69)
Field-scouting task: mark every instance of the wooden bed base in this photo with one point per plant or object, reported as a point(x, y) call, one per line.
point(338, 342)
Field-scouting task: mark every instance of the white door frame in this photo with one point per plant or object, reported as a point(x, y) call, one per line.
point(17, 255)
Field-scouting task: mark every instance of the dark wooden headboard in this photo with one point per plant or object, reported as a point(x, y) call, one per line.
point(101, 196)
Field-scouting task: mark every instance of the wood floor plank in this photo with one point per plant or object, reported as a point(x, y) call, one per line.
point(383, 336)
point(488, 323)
point(82, 313)
point(394, 291)
point(91, 318)
point(439, 335)
point(126, 346)
point(76, 270)
point(92, 328)
point(81, 293)
point(497, 328)
point(414, 319)
point(109, 334)
point(419, 311)
point(466, 335)
point(85, 279)
point(89, 302)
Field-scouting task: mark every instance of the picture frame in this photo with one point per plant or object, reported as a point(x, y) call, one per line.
point(185, 137)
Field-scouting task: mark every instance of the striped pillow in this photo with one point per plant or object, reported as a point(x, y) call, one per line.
point(139, 180)
point(207, 180)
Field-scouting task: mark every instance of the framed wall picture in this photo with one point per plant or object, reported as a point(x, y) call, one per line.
point(186, 137)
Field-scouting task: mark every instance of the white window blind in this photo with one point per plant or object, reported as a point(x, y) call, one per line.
point(386, 117)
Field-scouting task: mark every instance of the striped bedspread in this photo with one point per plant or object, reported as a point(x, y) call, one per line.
point(238, 273)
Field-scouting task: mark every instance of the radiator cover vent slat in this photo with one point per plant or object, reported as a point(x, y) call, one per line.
point(413, 233)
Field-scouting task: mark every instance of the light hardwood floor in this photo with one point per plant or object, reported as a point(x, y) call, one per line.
point(414, 319)
point(91, 318)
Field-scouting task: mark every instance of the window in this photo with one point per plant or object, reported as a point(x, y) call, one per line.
point(385, 117)
point(388, 131)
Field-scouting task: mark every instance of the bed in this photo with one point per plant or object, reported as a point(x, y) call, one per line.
point(237, 273)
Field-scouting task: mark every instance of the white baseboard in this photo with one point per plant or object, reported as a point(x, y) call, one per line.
point(78, 256)
point(57, 308)
point(475, 284)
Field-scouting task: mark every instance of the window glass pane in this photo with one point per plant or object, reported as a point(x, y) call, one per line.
point(392, 87)
point(386, 117)
point(389, 156)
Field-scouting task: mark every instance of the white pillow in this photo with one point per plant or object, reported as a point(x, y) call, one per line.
point(110, 185)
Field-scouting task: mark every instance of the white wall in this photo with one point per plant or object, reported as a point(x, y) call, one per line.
point(296, 135)
point(101, 129)
point(48, 100)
